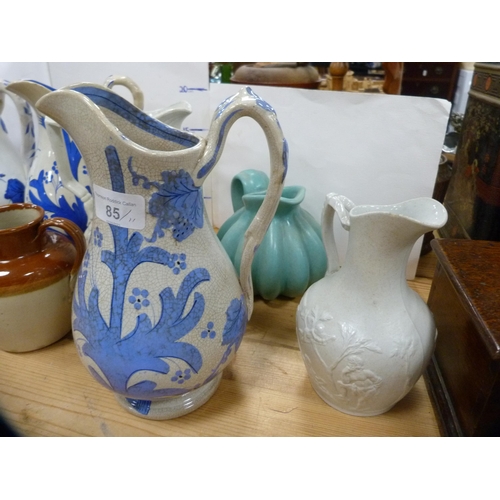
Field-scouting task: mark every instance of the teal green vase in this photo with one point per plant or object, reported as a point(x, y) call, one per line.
point(291, 256)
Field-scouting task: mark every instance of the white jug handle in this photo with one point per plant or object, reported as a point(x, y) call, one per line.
point(125, 81)
point(334, 203)
point(27, 125)
point(247, 103)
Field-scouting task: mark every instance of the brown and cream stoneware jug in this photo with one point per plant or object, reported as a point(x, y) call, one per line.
point(38, 266)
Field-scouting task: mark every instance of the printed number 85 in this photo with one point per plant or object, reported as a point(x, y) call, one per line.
point(115, 212)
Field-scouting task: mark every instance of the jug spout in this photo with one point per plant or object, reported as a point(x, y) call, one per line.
point(173, 115)
point(94, 115)
point(410, 218)
point(29, 90)
point(73, 112)
point(427, 213)
point(23, 160)
point(382, 232)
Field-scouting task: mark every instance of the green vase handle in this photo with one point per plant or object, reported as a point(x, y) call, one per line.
point(247, 182)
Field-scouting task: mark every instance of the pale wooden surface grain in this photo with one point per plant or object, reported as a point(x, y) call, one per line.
point(264, 392)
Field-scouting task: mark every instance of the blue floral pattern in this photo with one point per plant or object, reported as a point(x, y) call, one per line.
point(40, 179)
point(15, 191)
point(178, 263)
point(260, 102)
point(97, 237)
point(38, 195)
point(181, 376)
point(158, 346)
point(30, 131)
point(234, 328)
point(139, 298)
point(209, 331)
point(132, 353)
point(140, 405)
point(178, 203)
point(236, 319)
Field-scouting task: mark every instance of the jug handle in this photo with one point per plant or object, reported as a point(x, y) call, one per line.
point(246, 182)
point(27, 125)
point(247, 103)
point(334, 203)
point(77, 239)
point(128, 83)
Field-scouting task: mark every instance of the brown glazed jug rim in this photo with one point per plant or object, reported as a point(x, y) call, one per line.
point(22, 206)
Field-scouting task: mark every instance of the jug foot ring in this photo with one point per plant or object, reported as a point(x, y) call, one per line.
point(172, 406)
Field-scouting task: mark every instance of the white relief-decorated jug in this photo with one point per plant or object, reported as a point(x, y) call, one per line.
point(158, 309)
point(365, 336)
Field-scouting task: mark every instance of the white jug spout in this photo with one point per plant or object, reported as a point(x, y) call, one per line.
point(26, 122)
point(173, 115)
point(29, 90)
point(427, 212)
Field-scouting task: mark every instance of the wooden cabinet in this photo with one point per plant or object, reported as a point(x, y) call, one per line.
point(430, 79)
point(464, 375)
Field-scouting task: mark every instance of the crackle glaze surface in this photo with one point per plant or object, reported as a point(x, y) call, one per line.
point(364, 335)
point(158, 310)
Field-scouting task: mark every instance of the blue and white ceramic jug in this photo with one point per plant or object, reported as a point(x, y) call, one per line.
point(15, 162)
point(58, 180)
point(158, 310)
point(173, 116)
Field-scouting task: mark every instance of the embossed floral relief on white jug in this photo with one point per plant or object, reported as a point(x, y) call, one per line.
point(365, 336)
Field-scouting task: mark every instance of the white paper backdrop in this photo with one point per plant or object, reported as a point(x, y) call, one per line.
point(373, 148)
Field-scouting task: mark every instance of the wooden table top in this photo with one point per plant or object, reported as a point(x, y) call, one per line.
point(264, 392)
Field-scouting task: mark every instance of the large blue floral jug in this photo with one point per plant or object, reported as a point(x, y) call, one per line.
point(15, 161)
point(158, 309)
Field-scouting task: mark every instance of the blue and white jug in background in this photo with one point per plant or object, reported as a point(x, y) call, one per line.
point(173, 115)
point(58, 179)
point(158, 309)
point(14, 161)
